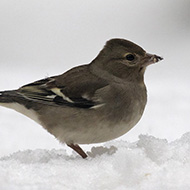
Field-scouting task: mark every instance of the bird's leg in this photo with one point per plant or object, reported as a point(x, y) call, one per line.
point(78, 149)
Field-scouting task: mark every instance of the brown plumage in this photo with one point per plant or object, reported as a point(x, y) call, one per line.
point(93, 103)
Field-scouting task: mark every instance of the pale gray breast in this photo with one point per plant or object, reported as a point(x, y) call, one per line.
point(125, 101)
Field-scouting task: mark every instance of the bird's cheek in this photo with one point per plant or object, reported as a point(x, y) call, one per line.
point(131, 64)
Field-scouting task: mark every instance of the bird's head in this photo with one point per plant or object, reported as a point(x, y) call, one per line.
point(124, 59)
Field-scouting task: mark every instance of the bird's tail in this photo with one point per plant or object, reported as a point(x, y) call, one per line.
point(13, 96)
point(16, 101)
point(9, 96)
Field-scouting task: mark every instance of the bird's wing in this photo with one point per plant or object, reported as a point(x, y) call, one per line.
point(75, 88)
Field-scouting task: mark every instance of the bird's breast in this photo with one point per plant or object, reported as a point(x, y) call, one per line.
point(126, 102)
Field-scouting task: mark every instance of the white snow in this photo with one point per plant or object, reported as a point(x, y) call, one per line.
point(149, 163)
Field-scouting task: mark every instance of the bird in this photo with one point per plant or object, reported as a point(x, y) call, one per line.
point(91, 103)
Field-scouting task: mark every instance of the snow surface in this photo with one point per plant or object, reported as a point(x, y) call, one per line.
point(149, 163)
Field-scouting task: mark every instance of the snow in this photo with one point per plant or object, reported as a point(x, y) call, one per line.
point(149, 163)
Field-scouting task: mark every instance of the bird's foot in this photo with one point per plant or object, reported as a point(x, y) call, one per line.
point(78, 149)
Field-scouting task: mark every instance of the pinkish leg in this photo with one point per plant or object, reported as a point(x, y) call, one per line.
point(78, 149)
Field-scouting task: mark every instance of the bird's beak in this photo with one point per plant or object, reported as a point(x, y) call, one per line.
point(151, 58)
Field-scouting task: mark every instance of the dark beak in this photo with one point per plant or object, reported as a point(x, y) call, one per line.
point(151, 58)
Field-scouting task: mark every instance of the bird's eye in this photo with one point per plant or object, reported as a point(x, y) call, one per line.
point(130, 57)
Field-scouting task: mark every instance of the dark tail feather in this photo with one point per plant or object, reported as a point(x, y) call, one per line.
point(9, 96)
point(14, 96)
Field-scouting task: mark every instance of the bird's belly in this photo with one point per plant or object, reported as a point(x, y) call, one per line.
point(100, 131)
point(81, 126)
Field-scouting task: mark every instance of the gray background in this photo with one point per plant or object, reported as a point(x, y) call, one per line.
point(40, 38)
